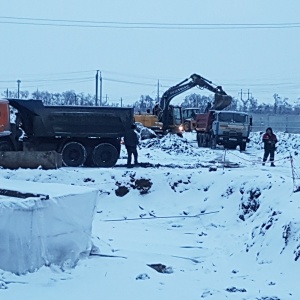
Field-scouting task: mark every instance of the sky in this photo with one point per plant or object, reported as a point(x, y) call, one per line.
point(219, 224)
point(249, 47)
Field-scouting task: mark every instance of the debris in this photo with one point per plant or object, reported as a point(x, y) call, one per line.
point(163, 217)
point(143, 185)
point(161, 268)
point(107, 255)
point(212, 168)
point(121, 191)
point(143, 276)
point(3, 285)
point(194, 260)
point(234, 290)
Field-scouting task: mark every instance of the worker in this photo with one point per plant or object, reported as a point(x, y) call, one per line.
point(208, 107)
point(269, 139)
point(131, 142)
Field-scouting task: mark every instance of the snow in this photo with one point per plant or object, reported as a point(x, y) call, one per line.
point(216, 224)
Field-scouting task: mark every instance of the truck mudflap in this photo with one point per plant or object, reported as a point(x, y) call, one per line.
point(30, 159)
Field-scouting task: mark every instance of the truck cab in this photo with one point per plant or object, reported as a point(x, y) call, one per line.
point(227, 128)
point(4, 118)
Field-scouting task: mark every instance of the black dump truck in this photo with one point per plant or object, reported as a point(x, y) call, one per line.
point(81, 135)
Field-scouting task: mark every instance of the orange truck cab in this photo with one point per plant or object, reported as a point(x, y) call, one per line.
point(4, 118)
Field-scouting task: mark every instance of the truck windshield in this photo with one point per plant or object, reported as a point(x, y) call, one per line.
point(190, 113)
point(232, 117)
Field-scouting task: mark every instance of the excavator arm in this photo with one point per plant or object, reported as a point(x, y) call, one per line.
point(221, 101)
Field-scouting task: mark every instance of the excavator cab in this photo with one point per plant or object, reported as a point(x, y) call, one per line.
point(174, 121)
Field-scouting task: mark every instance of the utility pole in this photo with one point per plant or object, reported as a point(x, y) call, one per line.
point(245, 102)
point(249, 95)
point(100, 89)
point(6, 93)
point(18, 81)
point(96, 100)
point(121, 102)
point(157, 90)
point(245, 93)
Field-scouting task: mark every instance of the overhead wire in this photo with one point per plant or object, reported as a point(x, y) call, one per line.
point(52, 79)
point(142, 25)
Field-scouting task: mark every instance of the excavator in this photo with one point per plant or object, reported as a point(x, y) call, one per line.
point(168, 118)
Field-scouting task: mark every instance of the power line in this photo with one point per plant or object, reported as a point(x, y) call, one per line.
point(142, 25)
point(231, 87)
point(45, 84)
point(129, 82)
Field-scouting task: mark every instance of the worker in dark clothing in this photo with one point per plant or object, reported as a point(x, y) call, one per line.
point(131, 142)
point(207, 108)
point(269, 139)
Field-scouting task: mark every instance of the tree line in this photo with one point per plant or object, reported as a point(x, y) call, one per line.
point(146, 103)
point(251, 105)
point(64, 98)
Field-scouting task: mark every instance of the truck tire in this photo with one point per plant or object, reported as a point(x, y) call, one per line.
point(6, 146)
point(187, 126)
point(242, 146)
point(73, 154)
point(105, 155)
point(231, 146)
point(199, 139)
point(213, 142)
point(206, 140)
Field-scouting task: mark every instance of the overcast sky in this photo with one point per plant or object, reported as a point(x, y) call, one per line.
point(57, 45)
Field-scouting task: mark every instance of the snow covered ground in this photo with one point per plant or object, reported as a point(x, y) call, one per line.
point(189, 223)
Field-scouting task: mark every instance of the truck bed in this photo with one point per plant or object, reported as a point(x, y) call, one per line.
point(72, 121)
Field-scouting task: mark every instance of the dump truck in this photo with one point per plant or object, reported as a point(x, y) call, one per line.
point(220, 127)
point(81, 135)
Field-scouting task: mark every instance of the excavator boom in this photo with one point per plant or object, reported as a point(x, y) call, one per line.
point(222, 100)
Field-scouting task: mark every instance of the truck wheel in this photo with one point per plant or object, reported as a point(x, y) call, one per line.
point(242, 146)
point(187, 126)
point(206, 140)
point(213, 142)
point(199, 137)
point(6, 146)
point(73, 154)
point(231, 146)
point(105, 155)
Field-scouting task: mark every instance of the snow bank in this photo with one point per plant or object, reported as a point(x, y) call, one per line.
point(172, 144)
point(287, 142)
point(43, 224)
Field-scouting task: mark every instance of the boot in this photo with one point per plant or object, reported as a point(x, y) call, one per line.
point(272, 164)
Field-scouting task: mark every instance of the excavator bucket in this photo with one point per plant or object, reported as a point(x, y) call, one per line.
point(31, 160)
point(221, 101)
